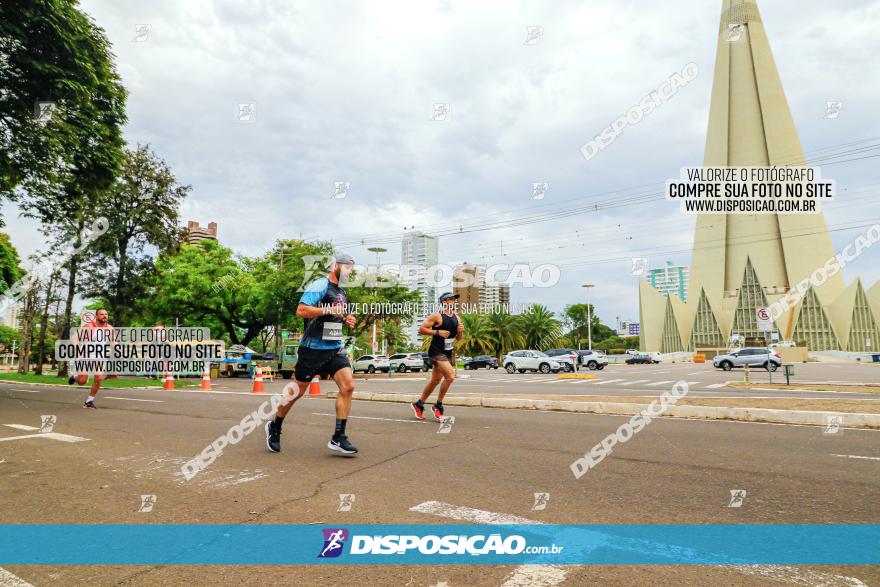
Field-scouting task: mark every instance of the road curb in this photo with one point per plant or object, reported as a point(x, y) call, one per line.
point(765, 415)
point(65, 384)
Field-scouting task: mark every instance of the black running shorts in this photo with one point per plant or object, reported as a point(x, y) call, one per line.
point(444, 356)
point(312, 362)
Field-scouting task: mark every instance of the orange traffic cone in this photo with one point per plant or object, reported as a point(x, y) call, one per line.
point(206, 380)
point(169, 382)
point(258, 380)
point(315, 386)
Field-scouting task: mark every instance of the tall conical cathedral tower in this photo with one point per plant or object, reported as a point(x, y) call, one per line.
point(743, 262)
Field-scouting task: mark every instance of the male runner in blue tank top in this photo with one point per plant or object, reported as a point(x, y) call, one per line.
point(323, 308)
point(444, 328)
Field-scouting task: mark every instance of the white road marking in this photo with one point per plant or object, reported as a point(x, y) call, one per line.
point(27, 391)
point(608, 381)
point(635, 381)
point(696, 373)
point(374, 418)
point(239, 480)
point(524, 575)
point(132, 399)
point(856, 457)
point(797, 576)
point(529, 575)
point(658, 383)
point(715, 385)
point(50, 435)
point(446, 510)
point(7, 579)
point(22, 427)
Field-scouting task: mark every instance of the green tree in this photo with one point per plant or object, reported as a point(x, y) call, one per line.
point(62, 163)
point(540, 330)
point(384, 293)
point(207, 286)
point(9, 335)
point(10, 270)
point(476, 338)
point(394, 336)
point(51, 52)
point(141, 209)
point(504, 331)
point(575, 321)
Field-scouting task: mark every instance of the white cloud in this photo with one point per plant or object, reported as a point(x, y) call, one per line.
point(343, 93)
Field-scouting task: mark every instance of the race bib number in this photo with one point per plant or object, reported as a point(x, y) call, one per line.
point(448, 344)
point(332, 331)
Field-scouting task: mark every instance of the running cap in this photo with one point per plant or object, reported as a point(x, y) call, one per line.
point(449, 295)
point(343, 258)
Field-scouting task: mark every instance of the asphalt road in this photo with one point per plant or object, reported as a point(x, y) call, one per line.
point(674, 471)
point(628, 380)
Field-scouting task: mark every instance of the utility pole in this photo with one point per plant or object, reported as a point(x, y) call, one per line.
point(377, 250)
point(589, 286)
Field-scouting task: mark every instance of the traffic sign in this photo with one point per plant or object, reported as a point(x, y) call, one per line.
point(765, 321)
point(86, 317)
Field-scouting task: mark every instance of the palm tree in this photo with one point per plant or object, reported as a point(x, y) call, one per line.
point(540, 329)
point(476, 339)
point(394, 336)
point(504, 331)
point(571, 340)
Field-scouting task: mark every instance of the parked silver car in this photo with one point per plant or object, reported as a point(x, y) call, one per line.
point(371, 364)
point(752, 356)
point(526, 360)
point(403, 362)
point(593, 360)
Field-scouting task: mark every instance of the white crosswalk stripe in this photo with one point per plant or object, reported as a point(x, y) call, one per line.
point(715, 385)
point(608, 381)
point(657, 383)
point(635, 382)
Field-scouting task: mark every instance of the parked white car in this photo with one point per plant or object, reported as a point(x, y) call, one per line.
point(371, 364)
point(764, 357)
point(522, 361)
point(403, 362)
point(593, 360)
point(568, 358)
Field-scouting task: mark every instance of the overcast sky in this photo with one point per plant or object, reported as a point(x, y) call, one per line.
point(343, 91)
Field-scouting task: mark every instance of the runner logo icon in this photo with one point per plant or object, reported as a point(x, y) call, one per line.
point(334, 541)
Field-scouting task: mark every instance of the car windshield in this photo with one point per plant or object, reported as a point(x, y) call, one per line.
point(540, 354)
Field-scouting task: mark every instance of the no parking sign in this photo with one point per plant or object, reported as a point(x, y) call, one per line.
point(765, 321)
point(86, 317)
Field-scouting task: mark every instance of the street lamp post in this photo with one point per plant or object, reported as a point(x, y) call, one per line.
point(589, 286)
point(376, 250)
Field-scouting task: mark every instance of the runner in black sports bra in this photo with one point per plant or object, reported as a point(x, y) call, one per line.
point(444, 328)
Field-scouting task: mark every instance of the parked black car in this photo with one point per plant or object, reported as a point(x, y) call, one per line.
point(640, 360)
point(427, 361)
point(481, 362)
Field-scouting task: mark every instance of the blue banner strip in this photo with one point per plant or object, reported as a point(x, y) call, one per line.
point(605, 544)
